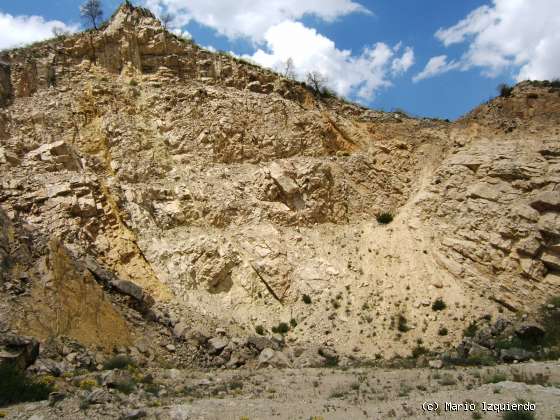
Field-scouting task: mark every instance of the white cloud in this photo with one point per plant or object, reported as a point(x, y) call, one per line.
point(510, 35)
point(402, 64)
point(20, 30)
point(251, 18)
point(436, 65)
point(347, 74)
point(276, 34)
point(182, 33)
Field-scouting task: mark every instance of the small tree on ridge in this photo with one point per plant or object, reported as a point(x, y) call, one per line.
point(317, 82)
point(166, 20)
point(92, 12)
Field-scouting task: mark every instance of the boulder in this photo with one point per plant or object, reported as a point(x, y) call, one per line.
point(213, 266)
point(56, 190)
point(269, 357)
point(549, 224)
point(8, 157)
point(529, 246)
point(499, 326)
point(315, 356)
point(551, 260)
point(128, 288)
point(59, 153)
point(87, 206)
point(477, 350)
point(217, 344)
point(138, 413)
point(254, 86)
point(180, 330)
point(260, 343)
point(534, 269)
point(266, 355)
point(48, 366)
point(116, 378)
point(197, 337)
point(18, 351)
point(100, 273)
point(464, 347)
point(328, 354)
point(56, 397)
point(239, 357)
point(515, 355)
point(283, 179)
point(546, 201)
point(98, 396)
point(527, 212)
point(435, 364)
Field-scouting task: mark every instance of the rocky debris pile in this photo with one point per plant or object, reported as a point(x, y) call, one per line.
point(256, 351)
point(506, 341)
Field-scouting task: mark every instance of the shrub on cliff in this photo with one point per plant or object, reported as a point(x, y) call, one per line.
point(16, 386)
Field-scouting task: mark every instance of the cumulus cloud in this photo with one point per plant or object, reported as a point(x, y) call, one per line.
point(349, 75)
point(402, 64)
point(274, 29)
point(510, 35)
point(20, 30)
point(436, 65)
point(251, 18)
point(182, 33)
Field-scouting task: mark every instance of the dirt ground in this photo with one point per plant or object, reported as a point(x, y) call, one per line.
point(365, 393)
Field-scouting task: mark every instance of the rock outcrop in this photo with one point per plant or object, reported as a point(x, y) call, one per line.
point(153, 188)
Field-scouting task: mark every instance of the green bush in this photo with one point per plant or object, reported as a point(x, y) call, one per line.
point(403, 324)
point(418, 351)
point(384, 218)
point(496, 377)
point(438, 305)
point(447, 379)
point(152, 389)
point(293, 323)
point(443, 331)
point(481, 360)
point(281, 328)
point(505, 90)
point(550, 318)
point(259, 329)
point(518, 415)
point(120, 361)
point(306, 299)
point(133, 82)
point(470, 331)
point(126, 386)
point(16, 387)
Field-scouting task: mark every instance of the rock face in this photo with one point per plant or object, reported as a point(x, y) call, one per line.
point(5, 84)
point(496, 216)
point(140, 170)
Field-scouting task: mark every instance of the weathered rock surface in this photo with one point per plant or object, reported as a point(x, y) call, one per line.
point(151, 189)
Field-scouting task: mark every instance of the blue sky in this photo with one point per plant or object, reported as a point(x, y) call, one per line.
point(435, 58)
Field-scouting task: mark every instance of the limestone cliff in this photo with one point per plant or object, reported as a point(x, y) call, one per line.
point(227, 192)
